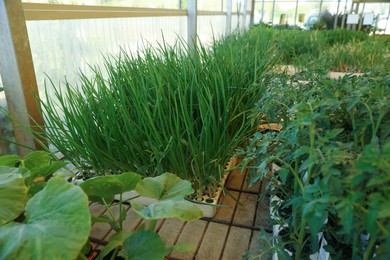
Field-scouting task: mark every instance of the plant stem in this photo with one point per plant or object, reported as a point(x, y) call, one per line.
point(368, 252)
point(380, 225)
point(114, 254)
point(153, 224)
point(120, 212)
point(293, 172)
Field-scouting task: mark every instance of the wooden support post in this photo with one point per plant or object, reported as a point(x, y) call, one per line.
point(228, 17)
point(17, 72)
point(192, 12)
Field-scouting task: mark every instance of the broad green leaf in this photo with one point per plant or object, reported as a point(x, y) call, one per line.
point(40, 164)
point(168, 209)
point(129, 180)
point(53, 167)
point(37, 159)
point(57, 223)
point(165, 186)
point(36, 187)
point(106, 187)
point(9, 160)
point(115, 241)
point(102, 188)
point(143, 245)
point(13, 196)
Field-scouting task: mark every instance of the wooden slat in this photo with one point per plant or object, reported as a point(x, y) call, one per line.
point(237, 243)
point(36, 6)
point(253, 188)
point(60, 12)
point(192, 234)
point(245, 213)
point(170, 230)
point(213, 242)
point(211, 13)
point(67, 15)
point(235, 180)
point(226, 213)
point(35, 11)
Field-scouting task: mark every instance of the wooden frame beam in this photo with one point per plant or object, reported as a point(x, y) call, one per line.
point(18, 75)
point(39, 12)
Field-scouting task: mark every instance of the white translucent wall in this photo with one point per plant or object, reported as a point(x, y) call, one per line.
point(6, 131)
point(214, 5)
point(238, 22)
point(210, 27)
point(61, 48)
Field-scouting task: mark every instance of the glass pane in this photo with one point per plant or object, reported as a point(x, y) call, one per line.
point(284, 13)
point(207, 5)
point(6, 130)
point(210, 27)
point(263, 15)
point(61, 48)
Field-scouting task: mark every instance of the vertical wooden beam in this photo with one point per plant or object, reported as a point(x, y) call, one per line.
point(228, 17)
point(192, 10)
point(17, 72)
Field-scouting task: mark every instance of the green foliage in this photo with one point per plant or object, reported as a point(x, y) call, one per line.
point(37, 225)
point(358, 56)
point(337, 50)
point(103, 189)
point(168, 193)
point(138, 246)
point(166, 186)
point(162, 110)
point(13, 194)
point(333, 153)
point(35, 168)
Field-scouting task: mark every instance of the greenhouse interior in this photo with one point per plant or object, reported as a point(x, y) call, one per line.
point(194, 129)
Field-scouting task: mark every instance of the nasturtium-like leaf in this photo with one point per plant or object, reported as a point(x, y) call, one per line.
point(36, 160)
point(168, 209)
point(165, 186)
point(9, 160)
point(40, 164)
point(102, 188)
point(13, 195)
point(129, 180)
point(106, 187)
point(57, 224)
point(143, 245)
